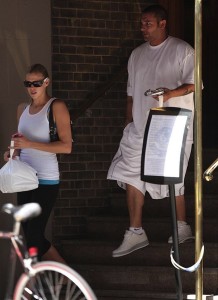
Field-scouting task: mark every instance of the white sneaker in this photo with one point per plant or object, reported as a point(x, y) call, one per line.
point(184, 233)
point(131, 242)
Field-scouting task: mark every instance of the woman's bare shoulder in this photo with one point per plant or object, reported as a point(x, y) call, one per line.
point(20, 108)
point(59, 104)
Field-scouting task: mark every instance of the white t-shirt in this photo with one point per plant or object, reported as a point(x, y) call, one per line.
point(36, 128)
point(167, 65)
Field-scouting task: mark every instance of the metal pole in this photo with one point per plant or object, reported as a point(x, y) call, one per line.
point(175, 241)
point(198, 146)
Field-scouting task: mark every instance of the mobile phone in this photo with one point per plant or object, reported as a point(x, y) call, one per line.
point(156, 92)
point(16, 135)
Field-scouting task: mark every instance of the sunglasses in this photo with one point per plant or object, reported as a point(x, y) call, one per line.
point(37, 83)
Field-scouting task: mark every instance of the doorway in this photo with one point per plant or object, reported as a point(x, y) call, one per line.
point(209, 65)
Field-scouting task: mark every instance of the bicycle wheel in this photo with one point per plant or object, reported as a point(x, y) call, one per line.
point(52, 281)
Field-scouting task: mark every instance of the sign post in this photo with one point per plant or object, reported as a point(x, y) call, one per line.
point(162, 159)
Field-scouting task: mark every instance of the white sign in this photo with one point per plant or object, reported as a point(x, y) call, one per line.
point(163, 146)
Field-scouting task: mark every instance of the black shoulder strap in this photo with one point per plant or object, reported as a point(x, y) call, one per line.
point(52, 126)
point(50, 115)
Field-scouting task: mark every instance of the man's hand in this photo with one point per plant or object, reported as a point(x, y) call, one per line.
point(166, 95)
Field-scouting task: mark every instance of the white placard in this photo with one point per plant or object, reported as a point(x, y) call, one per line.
point(164, 144)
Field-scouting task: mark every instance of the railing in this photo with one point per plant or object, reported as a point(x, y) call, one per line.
point(101, 92)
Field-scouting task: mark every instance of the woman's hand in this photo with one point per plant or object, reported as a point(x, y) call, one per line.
point(16, 152)
point(6, 155)
point(20, 142)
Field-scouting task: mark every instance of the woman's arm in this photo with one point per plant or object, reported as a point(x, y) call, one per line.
point(20, 109)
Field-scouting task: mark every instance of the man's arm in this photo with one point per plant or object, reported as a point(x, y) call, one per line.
point(181, 90)
point(128, 110)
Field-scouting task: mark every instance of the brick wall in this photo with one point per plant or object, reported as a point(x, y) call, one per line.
point(91, 42)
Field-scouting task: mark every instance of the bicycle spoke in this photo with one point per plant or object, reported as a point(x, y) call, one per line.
point(52, 282)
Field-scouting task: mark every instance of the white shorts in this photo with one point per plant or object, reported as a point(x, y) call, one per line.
point(126, 167)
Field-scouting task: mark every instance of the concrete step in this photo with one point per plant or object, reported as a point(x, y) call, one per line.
point(141, 295)
point(161, 208)
point(144, 279)
point(133, 295)
point(156, 254)
point(157, 229)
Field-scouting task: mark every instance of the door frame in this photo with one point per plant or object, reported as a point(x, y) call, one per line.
point(175, 13)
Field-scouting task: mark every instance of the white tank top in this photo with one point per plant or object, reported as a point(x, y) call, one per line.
point(35, 127)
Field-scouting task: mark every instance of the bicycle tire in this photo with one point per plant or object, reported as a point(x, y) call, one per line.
point(52, 281)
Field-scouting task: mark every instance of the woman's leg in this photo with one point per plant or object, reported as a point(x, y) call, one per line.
point(34, 229)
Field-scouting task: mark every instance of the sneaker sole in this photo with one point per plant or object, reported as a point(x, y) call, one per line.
point(136, 247)
point(189, 239)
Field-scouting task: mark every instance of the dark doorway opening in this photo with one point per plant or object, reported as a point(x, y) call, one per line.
point(209, 65)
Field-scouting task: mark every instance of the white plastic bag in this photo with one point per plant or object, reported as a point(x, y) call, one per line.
point(17, 176)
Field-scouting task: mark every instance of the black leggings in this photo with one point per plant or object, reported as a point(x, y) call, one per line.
point(34, 229)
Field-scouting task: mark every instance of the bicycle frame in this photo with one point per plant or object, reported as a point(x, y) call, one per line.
point(17, 249)
point(58, 278)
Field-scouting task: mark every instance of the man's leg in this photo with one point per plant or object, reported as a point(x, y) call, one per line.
point(180, 208)
point(184, 230)
point(135, 238)
point(135, 202)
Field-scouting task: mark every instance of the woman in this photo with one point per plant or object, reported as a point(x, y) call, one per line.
point(34, 147)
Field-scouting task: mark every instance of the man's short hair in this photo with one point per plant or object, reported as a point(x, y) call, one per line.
point(158, 11)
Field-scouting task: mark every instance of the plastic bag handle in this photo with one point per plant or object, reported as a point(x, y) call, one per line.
point(160, 98)
point(11, 150)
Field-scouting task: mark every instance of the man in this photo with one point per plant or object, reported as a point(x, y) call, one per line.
point(161, 62)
